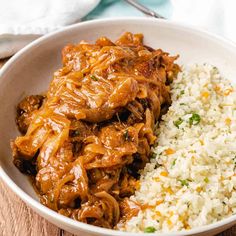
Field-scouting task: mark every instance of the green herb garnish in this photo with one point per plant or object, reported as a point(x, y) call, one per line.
point(194, 119)
point(182, 104)
point(215, 69)
point(144, 102)
point(157, 165)
point(93, 77)
point(206, 180)
point(184, 182)
point(152, 155)
point(149, 229)
point(173, 163)
point(178, 122)
point(181, 92)
point(76, 133)
point(126, 135)
point(234, 159)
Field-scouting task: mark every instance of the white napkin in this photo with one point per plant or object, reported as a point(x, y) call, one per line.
point(22, 21)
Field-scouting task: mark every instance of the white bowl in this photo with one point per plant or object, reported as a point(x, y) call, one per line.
point(31, 69)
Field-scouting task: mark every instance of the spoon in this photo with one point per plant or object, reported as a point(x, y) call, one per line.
point(144, 9)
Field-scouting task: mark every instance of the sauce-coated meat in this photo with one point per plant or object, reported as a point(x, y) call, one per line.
point(87, 139)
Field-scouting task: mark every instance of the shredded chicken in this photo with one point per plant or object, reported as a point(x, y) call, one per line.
point(87, 139)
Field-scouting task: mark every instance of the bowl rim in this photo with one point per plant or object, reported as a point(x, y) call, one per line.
point(43, 210)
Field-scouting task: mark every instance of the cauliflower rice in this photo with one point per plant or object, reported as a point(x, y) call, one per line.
point(191, 180)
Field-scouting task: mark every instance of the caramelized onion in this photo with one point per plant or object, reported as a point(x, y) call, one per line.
point(86, 140)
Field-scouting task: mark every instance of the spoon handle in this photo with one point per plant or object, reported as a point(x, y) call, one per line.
point(144, 9)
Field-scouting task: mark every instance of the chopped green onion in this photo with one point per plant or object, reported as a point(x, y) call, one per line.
point(182, 104)
point(206, 180)
point(178, 122)
point(93, 77)
point(184, 182)
point(194, 119)
point(149, 229)
point(181, 92)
